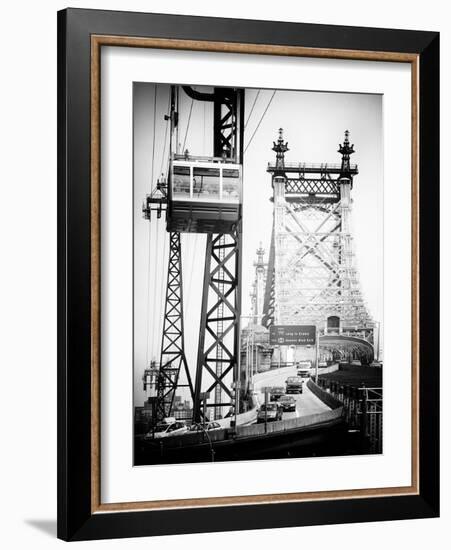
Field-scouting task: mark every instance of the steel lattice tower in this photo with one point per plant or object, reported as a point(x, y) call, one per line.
point(312, 278)
point(172, 357)
point(218, 339)
point(203, 195)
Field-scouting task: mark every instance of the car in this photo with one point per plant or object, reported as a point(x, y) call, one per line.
point(303, 369)
point(304, 373)
point(270, 412)
point(294, 384)
point(167, 429)
point(276, 393)
point(208, 427)
point(288, 403)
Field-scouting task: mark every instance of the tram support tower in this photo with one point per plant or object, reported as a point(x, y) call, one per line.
point(203, 194)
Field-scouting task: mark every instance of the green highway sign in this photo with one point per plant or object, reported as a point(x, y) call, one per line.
point(292, 335)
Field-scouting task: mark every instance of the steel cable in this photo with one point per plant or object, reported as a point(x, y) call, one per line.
point(260, 121)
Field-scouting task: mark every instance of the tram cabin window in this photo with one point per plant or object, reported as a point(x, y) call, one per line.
point(231, 184)
point(181, 182)
point(206, 183)
point(212, 182)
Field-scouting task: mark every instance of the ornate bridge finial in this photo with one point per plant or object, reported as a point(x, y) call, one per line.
point(260, 254)
point(346, 151)
point(280, 149)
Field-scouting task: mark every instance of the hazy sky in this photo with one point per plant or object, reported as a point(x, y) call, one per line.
point(314, 125)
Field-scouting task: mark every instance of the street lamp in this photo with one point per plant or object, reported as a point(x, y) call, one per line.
point(212, 452)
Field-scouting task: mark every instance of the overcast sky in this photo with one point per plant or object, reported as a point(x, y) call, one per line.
point(314, 125)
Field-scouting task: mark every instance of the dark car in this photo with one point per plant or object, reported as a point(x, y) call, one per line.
point(276, 393)
point(271, 412)
point(294, 384)
point(288, 403)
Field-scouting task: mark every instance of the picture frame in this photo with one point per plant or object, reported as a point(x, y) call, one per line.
point(81, 35)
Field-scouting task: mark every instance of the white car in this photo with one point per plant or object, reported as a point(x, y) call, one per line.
point(303, 369)
point(167, 429)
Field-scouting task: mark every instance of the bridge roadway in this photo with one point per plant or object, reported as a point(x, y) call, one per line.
point(306, 403)
point(314, 429)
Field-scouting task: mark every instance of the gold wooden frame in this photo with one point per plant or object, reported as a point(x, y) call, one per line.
point(97, 41)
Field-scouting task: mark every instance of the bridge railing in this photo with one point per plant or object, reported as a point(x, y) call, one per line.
point(363, 409)
point(329, 399)
point(284, 425)
point(314, 166)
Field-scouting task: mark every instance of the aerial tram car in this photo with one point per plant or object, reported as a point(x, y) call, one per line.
point(204, 195)
point(205, 192)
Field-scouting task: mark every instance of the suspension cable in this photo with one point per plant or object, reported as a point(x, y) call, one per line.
point(166, 237)
point(154, 302)
point(192, 255)
point(187, 126)
point(260, 121)
point(148, 296)
point(252, 109)
point(165, 133)
point(153, 142)
point(150, 231)
point(203, 137)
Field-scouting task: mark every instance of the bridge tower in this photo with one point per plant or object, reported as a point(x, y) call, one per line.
point(312, 278)
point(258, 287)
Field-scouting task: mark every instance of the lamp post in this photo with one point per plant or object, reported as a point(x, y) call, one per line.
point(250, 349)
point(317, 355)
point(212, 451)
point(266, 410)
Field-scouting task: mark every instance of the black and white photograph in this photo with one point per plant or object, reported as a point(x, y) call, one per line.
point(258, 273)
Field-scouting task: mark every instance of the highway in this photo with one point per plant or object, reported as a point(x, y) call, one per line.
point(306, 403)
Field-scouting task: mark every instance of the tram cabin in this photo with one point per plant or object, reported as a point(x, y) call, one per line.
point(205, 195)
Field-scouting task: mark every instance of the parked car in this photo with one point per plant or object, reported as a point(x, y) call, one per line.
point(288, 403)
point(270, 413)
point(208, 427)
point(167, 429)
point(294, 384)
point(276, 393)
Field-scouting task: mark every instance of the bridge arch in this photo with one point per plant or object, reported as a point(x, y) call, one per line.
point(348, 347)
point(333, 324)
